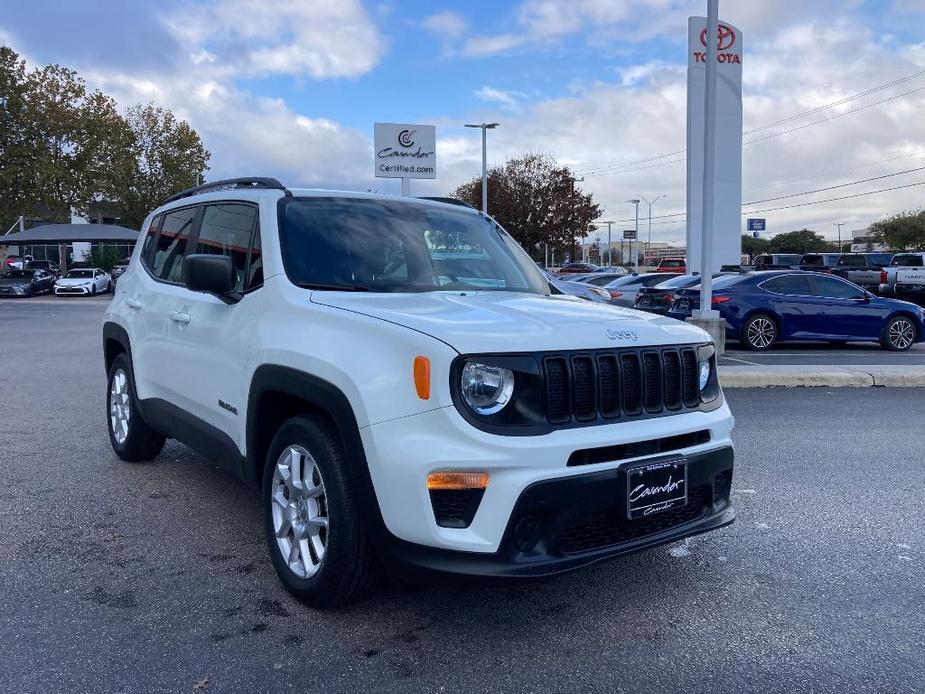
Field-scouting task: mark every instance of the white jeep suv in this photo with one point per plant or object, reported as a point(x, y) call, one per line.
point(406, 390)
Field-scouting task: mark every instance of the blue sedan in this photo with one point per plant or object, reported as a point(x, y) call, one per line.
point(761, 308)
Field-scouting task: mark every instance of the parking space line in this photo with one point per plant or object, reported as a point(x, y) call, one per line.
point(741, 361)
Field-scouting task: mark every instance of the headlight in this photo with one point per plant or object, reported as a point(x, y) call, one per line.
point(704, 374)
point(486, 389)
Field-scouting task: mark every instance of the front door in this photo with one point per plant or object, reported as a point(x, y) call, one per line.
point(211, 337)
point(847, 310)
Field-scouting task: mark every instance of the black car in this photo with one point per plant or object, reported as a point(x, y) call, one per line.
point(658, 299)
point(47, 265)
point(26, 282)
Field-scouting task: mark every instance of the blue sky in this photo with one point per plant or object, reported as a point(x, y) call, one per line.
point(292, 88)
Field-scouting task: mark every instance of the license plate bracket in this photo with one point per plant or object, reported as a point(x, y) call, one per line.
point(656, 487)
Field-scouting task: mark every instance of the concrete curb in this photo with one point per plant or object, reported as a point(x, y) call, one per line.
point(822, 376)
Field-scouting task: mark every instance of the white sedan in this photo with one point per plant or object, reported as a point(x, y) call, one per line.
point(84, 281)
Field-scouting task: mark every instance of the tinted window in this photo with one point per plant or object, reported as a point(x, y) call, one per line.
point(882, 259)
point(171, 244)
point(148, 244)
point(852, 261)
point(680, 282)
point(652, 280)
point(671, 263)
point(826, 286)
point(227, 230)
point(398, 246)
point(788, 284)
point(906, 261)
point(80, 274)
point(728, 281)
point(787, 260)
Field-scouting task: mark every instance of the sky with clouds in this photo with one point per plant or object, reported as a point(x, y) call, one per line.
point(292, 88)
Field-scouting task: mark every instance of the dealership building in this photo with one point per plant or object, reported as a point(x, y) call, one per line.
point(69, 242)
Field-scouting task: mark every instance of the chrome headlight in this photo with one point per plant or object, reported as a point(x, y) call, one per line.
point(486, 389)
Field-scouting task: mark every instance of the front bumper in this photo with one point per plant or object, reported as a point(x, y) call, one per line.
point(72, 290)
point(563, 524)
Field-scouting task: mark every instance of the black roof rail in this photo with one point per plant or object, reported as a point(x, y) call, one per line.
point(448, 201)
point(231, 184)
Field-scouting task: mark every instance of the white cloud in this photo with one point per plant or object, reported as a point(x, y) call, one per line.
point(321, 39)
point(506, 99)
point(446, 25)
point(480, 46)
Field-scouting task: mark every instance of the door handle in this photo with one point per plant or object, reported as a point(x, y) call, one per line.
point(133, 302)
point(180, 317)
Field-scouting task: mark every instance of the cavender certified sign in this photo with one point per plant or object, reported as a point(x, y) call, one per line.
point(405, 151)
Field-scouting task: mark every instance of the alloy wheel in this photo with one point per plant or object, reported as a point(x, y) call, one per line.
point(119, 406)
point(902, 334)
point(761, 332)
point(300, 511)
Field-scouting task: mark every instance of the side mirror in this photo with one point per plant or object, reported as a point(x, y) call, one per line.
point(213, 274)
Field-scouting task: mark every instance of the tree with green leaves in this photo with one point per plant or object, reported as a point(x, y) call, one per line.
point(169, 157)
point(901, 232)
point(802, 241)
point(537, 201)
point(13, 146)
point(753, 246)
point(78, 146)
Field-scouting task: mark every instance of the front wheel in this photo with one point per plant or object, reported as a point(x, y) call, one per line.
point(759, 332)
point(899, 334)
point(315, 534)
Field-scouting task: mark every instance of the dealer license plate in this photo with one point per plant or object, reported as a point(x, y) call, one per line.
point(656, 488)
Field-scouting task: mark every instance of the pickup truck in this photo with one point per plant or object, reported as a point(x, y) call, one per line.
point(862, 268)
point(910, 265)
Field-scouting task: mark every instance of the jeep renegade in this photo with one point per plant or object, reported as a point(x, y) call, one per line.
point(406, 390)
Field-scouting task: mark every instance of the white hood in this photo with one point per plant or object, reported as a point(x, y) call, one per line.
point(478, 322)
point(73, 281)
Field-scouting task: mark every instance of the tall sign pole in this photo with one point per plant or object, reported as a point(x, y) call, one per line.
point(485, 128)
point(709, 164)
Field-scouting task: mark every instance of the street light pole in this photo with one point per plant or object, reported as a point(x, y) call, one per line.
point(647, 202)
point(839, 225)
point(485, 127)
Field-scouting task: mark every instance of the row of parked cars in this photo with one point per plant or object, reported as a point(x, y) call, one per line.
point(34, 277)
point(763, 307)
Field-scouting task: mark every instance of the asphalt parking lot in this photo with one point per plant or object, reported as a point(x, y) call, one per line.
point(119, 577)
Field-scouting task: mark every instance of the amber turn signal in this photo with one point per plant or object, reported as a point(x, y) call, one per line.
point(457, 480)
point(422, 377)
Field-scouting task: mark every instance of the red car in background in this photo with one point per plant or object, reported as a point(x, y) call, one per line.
point(672, 265)
point(575, 268)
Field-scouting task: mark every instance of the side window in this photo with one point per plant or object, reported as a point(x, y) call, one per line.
point(171, 244)
point(828, 287)
point(227, 230)
point(150, 240)
point(789, 284)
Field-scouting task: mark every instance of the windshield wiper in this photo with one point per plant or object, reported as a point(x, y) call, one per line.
point(335, 287)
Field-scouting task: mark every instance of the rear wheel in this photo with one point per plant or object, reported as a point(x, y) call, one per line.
point(899, 334)
point(131, 437)
point(315, 534)
point(759, 332)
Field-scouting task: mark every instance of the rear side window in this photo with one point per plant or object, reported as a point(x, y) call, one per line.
point(906, 261)
point(171, 244)
point(789, 284)
point(228, 230)
point(852, 261)
point(671, 263)
point(835, 289)
point(149, 241)
point(652, 280)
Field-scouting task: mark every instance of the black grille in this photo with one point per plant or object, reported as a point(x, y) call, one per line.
point(620, 383)
point(606, 528)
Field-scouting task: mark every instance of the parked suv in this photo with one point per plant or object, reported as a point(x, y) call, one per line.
point(397, 379)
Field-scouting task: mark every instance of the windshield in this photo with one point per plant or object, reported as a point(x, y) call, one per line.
point(906, 261)
point(79, 274)
point(357, 244)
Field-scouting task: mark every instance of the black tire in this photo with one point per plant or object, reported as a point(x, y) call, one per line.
point(899, 334)
point(93, 289)
point(142, 442)
point(348, 567)
point(759, 333)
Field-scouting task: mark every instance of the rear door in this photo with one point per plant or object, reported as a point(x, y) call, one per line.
point(151, 299)
point(846, 310)
point(791, 298)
